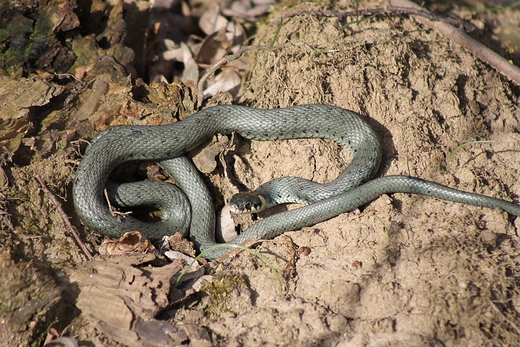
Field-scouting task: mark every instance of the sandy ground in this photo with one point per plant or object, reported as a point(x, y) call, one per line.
point(405, 270)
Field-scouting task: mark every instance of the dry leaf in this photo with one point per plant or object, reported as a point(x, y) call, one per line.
point(177, 243)
point(214, 47)
point(227, 81)
point(204, 159)
point(210, 23)
point(173, 51)
point(226, 225)
point(130, 242)
point(191, 69)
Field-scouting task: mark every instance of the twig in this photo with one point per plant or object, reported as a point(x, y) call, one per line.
point(64, 217)
point(113, 211)
point(476, 48)
point(390, 10)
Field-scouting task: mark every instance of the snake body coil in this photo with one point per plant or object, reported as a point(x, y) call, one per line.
point(167, 144)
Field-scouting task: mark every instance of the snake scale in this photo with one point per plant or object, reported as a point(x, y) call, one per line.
point(167, 145)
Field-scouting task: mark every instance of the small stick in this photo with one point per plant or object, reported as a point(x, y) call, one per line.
point(113, 211)
point(64, 217)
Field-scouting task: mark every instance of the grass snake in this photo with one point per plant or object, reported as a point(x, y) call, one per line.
point(167, 145)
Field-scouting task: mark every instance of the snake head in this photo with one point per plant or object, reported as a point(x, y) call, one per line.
point(243, 203)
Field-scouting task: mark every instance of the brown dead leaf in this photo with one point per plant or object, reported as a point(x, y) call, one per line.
point(177, 243)
point(204, 158)
point(214, 47)
point(130, 242)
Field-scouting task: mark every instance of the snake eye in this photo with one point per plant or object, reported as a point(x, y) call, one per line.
point(248, 206)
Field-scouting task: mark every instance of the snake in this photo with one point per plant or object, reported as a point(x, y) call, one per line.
point(189, 209)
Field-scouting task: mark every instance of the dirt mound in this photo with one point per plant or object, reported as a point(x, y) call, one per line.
point(405, 270)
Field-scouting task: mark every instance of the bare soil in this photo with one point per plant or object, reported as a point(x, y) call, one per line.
point(404, 270)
